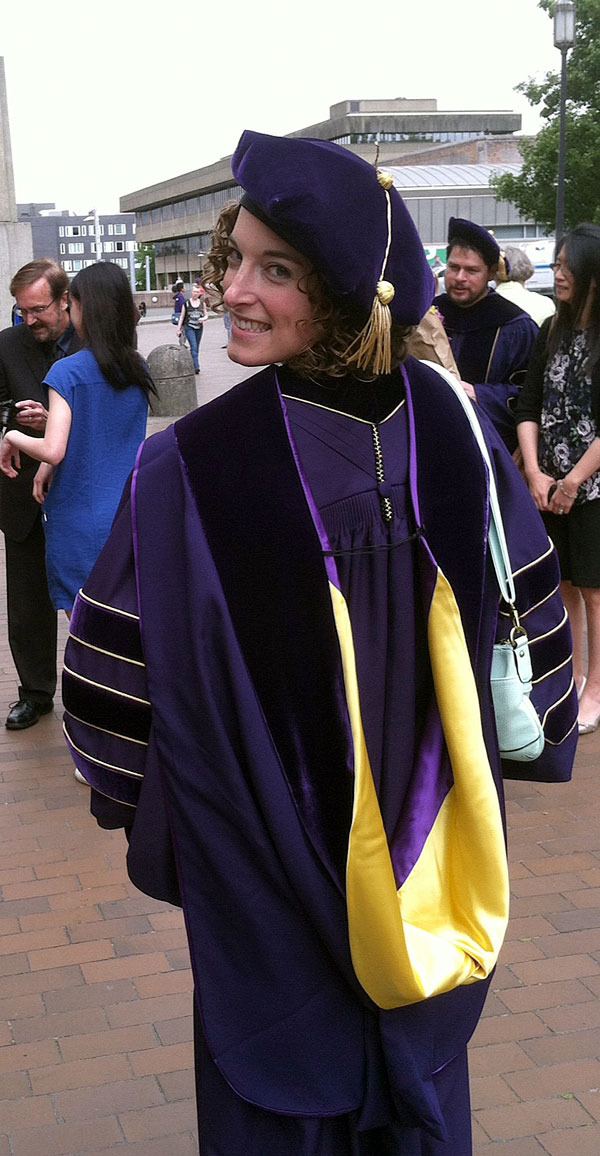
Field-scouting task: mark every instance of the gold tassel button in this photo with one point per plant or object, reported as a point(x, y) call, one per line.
point(385, 292)
point(386, 180)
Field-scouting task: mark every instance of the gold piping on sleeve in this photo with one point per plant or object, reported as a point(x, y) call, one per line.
point(100, 762)
point(541, 637)
point(104, 606)
point(105, 730)
point(523, 613)
point(535, 561)
point(555, 669)
point(107, 653)
point(109, 689)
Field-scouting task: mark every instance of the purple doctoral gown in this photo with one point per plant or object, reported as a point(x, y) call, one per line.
point(207, 706)
point(492, 342)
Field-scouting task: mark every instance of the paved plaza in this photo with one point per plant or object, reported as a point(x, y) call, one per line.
point(95, 987)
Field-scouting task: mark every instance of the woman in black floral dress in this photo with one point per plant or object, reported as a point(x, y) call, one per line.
point(558, 418)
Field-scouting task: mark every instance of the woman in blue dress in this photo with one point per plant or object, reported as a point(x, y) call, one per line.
point(96, 421)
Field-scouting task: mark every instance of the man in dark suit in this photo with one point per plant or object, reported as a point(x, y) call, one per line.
point(27, 351)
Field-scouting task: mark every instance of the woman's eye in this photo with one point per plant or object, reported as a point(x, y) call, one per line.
point(279, 272)
point(233, 258)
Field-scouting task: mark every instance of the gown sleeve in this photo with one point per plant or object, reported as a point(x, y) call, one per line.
point(107, 713)
point(498, 396)
point(536, 574)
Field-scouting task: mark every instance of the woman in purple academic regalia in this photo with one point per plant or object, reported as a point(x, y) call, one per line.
point(278, 682)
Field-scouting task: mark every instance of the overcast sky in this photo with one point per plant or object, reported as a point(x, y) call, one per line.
point(111, 96)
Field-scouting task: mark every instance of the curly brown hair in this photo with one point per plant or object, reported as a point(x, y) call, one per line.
point(340, 322)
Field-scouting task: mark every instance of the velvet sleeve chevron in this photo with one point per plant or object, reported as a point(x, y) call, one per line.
point(107, 712)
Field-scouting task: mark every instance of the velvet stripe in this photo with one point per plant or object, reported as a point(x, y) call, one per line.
point(123, 677)
point(121, 788)
point(104, 708)
point(107, 629)
point(276, 589)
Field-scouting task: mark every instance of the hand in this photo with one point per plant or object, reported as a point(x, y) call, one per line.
point(10, 459)
point(42, 482)
point(541, 488)
point(558, 501)
point(32, 414)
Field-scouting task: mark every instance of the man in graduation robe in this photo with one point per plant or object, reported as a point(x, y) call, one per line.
point(491, 338)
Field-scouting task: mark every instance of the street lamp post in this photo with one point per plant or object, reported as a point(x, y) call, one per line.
point(564, 38)
point(93, 216)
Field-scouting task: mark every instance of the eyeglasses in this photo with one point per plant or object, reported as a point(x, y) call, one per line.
point(559, 266)
point(36, 311)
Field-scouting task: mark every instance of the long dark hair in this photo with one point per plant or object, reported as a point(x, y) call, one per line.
point(108, 319)
point(581, 252)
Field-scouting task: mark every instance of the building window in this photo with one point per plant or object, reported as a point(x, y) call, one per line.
point(130, 246)
point(61, 230)
point(77, 265)
point(120, 246)
point(62, 247)
point(109, 246)
point(77, 247)
point(122, 261)
point(119, 228)
point(67, 266)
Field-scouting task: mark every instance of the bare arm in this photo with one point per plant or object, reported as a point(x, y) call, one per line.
point(51, 448)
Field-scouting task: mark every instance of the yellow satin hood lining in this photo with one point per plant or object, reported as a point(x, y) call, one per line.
point(445, 925)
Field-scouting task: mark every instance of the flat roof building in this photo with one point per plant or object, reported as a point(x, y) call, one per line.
point(177, 216)
point(70, 238)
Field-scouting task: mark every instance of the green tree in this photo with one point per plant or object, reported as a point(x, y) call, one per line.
point(141, 253)
point(533, 190)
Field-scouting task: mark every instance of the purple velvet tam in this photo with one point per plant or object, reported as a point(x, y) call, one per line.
point(329, 204)
point(472, 236)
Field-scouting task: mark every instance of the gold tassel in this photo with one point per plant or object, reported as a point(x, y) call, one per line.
point(372, 348)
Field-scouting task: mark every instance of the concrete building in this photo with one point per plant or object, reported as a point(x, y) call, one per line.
point(71, 239)
point(430, 150)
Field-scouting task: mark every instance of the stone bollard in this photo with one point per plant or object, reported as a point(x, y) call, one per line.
point(172, 371)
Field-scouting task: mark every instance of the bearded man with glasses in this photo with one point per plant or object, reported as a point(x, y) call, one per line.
point(27, 351)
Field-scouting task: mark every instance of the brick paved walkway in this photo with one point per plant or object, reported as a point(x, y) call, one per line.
point(95, 989)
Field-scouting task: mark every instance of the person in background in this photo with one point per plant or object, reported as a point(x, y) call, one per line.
point(293, 620)
point(514, 270)
point(191, 320)
point(27, 351)
point(97, 411)
point(558, 416)
point(491, 339)
point(178, 301)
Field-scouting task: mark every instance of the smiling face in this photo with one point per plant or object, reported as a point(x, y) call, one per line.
point(271, 314)
point(467, 276)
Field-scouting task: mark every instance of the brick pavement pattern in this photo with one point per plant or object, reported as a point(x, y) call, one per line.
point(95, 986)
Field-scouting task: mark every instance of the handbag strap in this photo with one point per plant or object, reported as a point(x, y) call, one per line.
point(497, 537)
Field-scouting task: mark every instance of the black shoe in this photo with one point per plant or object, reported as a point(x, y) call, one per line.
point(24, 713)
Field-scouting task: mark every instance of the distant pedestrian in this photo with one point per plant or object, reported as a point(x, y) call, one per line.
point(192, 318)
point(178, 301)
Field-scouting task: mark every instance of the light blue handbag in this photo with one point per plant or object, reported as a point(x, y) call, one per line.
point(520, 732)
